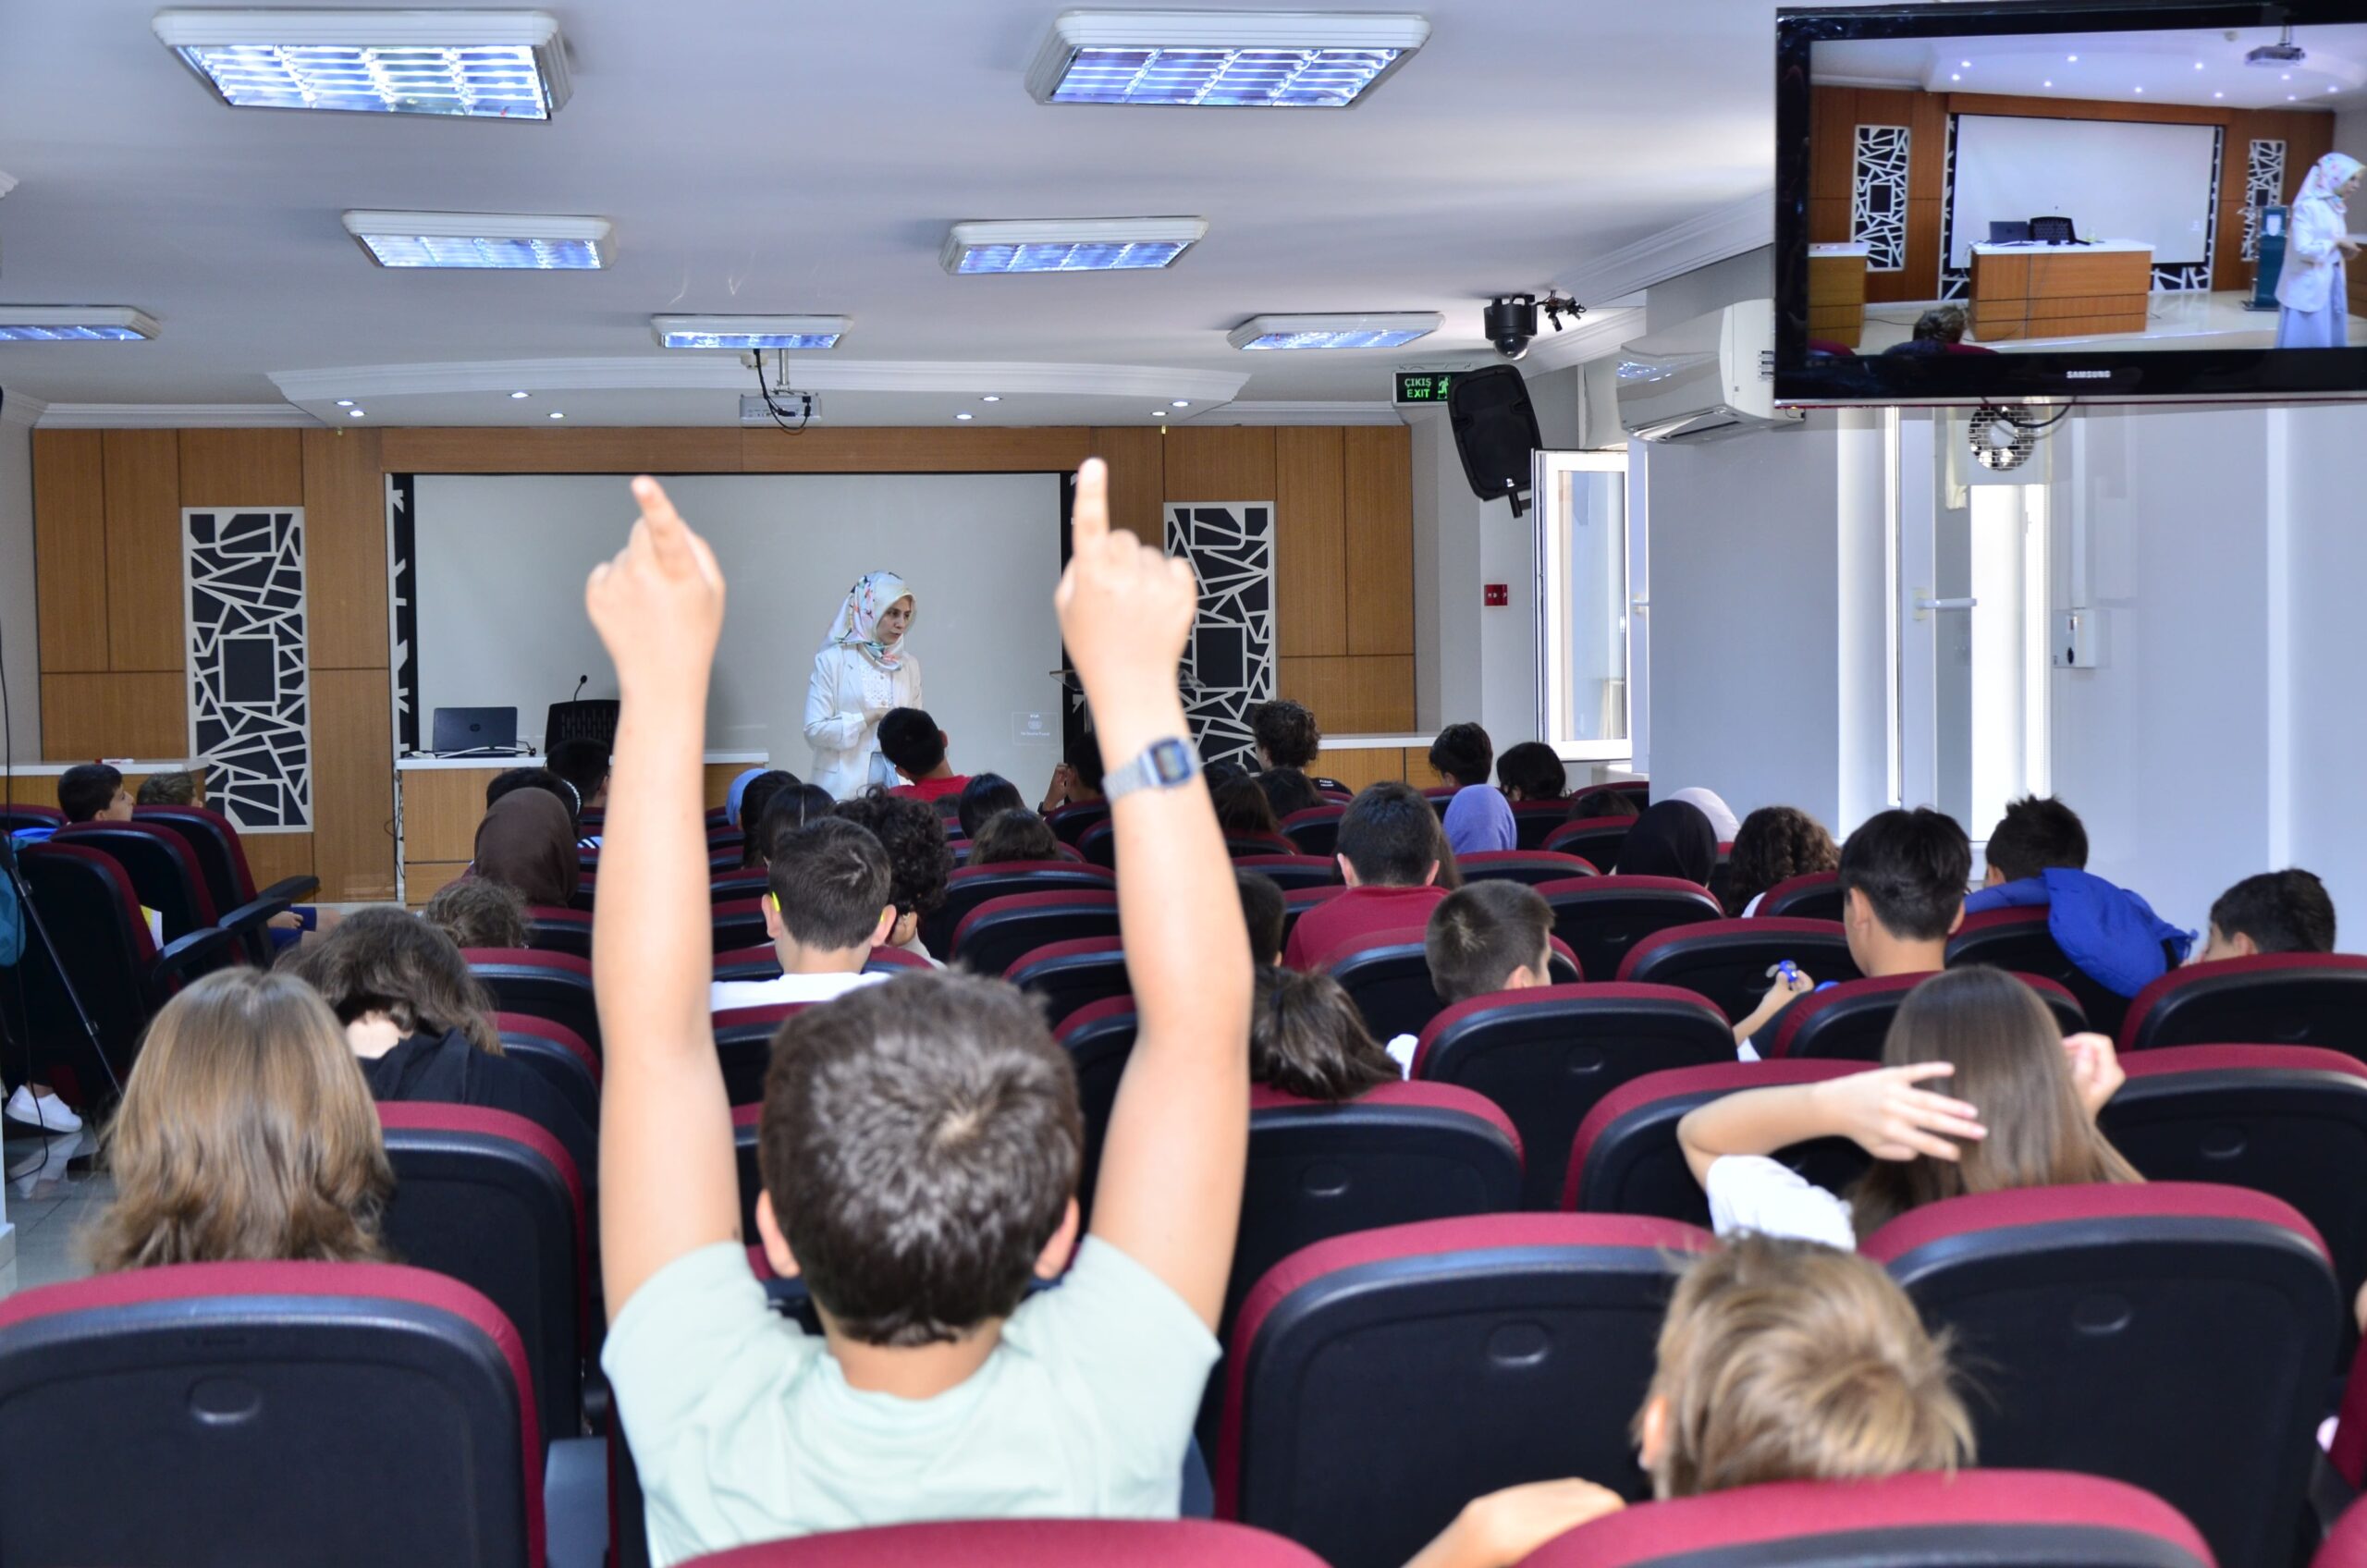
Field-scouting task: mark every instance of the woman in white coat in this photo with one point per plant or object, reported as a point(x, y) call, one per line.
point(2311, 289)
point(861, 673)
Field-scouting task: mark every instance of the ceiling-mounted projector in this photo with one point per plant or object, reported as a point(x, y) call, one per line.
point(2284, 51)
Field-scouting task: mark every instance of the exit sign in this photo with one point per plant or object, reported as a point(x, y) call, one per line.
point(1423, 386)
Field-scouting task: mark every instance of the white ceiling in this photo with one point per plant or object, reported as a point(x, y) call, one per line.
point(2170, 65)
point(757, 157)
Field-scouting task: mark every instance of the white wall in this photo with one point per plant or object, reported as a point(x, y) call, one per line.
point(19, 628)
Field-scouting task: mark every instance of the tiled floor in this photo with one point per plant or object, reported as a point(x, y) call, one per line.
point(53, 1191)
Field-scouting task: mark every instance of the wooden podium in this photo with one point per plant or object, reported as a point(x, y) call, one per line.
point(1837, 293)
point(2021, 291)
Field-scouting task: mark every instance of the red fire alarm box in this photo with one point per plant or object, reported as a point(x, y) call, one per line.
point(1499, 595)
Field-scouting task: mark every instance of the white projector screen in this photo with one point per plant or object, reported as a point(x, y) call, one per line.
point(502, 559)
point(2115, 179)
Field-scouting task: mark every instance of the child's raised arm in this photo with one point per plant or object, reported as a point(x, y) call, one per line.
point(1881, 1110)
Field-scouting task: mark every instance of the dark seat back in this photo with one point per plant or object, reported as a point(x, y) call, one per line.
point(1243, 846)
point(18, 815)
point(164, 871)
point(1727, 961)
point(1098, 1036)
point(1032, 1543)
point(2018, 939)
point(213, 841)
point(1293, 870)
point(1602, 917)
point(1316, 830)
point(1595, 840)
point(2282, 998)
point(1625, 1158)
point(971, 886)
point(1849, 1021)
point(557, 1056)
point(560, 931)
point(1536, 821)
point(1532, 866)
point(744, 1046)
point(541, 985)
point(998, 933)
point(92, 916)
point(1387, 974)
point(738, 924)
point(1068, 975)
point(1815, 895)
point(1069, 822)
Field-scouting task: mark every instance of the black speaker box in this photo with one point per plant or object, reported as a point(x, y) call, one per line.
point(1495, 432)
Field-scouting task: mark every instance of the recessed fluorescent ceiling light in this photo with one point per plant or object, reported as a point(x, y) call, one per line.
point(1069, 245)
point(507, 241)
point(1221, 59)
point(747, 332)
point(497, 65)
point(74, 324)
point(1333, 331)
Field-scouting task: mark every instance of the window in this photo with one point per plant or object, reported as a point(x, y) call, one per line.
point(1590, 585)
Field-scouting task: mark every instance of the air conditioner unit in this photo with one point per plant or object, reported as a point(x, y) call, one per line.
point(1703, 379)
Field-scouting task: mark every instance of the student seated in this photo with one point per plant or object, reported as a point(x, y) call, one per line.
point(745, 805)
point(1478, 818)
point(1489, 937)
point(1389, 850)
point(476, 912)
point(1588, 803)
point(1779, 1361)
point(527, 841)
point(983, 798)
point(246, 1135)
point(913, 743)
point(831, 901)
point(1307, 1038)
point(583, 766)
point(177, 789)
point(1075, 781)
point(2037, 858)
point(1243, 810)
point(1531, 772)
point(920, 1141)
point(1016, 835)
point(1286, 734)
point(2277, 912)
point(788, 809)
point(1673, 837)
point(423, 1025)
point(1264, 911)
point(510, 780)
point(2019, 1110)
point(918, 861)
point(1287, 791)
point(1773, 845)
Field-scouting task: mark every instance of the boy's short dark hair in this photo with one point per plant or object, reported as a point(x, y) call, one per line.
point(1264, 912)
point(1912, 866)
point(1479, 934)
point(1464, 753)
point(921, 1141)
point(1287, 732)
point(1016, 835)
point(584, 763)
point(986, 797)
point(910, 740)
point(1288, 789)
point(913, 832)
point(543, 779)
point(175, 788)
point(1390, 835)
point(87, 788)
point(1086, 762)
point(831, 878)
point(1603, 801)
point(787, 810)
point(2037, 834)
point(2282, 911)
point(1533, 769)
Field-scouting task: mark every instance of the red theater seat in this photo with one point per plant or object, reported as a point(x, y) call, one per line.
point(2346, 1544)
point(1029, 1543)
point(557, 1055)
point(1316, 830)
point(1387, 974)
point(222, 857)
point(1098, 1038)
point(971, 886)
point(1602, 917)
point(1293, 870)
point(1243, 846)
point(1816, 896)
point(1625, 1158)
point(998, 933)
point(1532, 866)
point(1727, 961)
point(1536, 821)
point(1068, 975)
point(1069, 822)
point(2018, 939)
point(744, 1044)
point(1595, 840)
point(541, 985)
point(165, 877)
point(1848, 1022)
point(2289, 999)
point(738, 924)
point(560, 931)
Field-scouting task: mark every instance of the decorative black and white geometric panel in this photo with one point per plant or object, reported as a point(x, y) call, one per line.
point(402, 603)
point(2172, 280)
point(1878, 196)
point(2263, 185)
point(1229, 669)
point(249, 699)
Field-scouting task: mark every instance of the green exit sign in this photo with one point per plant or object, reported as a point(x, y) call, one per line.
point(1423, 386)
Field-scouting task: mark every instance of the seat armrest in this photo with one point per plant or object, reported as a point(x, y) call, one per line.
point(200, 952)
point(291, 889)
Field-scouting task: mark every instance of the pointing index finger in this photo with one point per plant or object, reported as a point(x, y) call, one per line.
point(1089, 517)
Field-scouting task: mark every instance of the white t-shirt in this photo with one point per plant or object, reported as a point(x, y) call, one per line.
point(1750, 1192)
point(725, 995)
point(1400, 1051)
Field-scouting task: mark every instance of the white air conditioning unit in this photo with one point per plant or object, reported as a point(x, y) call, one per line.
point(1703, 379)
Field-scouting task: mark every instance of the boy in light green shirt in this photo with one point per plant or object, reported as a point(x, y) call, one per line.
point(920, 1139)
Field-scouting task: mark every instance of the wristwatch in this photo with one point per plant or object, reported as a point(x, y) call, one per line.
point(1164, 764)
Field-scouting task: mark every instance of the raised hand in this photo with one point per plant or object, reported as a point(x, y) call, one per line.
point(1125, 608)
point(658, 604)
point(1886, 1115)
point(2096, 1072)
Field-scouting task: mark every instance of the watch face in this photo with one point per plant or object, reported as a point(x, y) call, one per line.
point(1170, 761)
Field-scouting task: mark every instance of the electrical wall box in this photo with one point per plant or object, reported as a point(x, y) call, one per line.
point(2079, 639)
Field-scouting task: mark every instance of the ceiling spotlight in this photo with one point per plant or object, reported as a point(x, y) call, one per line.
point(1180, 403)
point(965, 416)
point(2141, 90)
point(2218, 95)
point(2286, 76)
point(1159, 413)
point(2073, 58)
point(2198, 65)
point(556, 414)
point(515, 396)
point(991, 397)
point(2047, 84)
point(2292, 97)
point(355, 414)
point(1966, 64)
point(344, 402)
point(1955, 76)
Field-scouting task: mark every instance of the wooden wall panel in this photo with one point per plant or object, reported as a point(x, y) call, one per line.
point(1221, 462)
point(1362, 766)
point(271, 856)
point(1354, 696)
point(345, 550)
point(441, 809)
point(70, 549)
point(242, 468)
point(1310, 542)
point(1137, 460)
point(130, 714)
point(353, 790)
point(424, 879)
point(143, 507)
point(1378, 468)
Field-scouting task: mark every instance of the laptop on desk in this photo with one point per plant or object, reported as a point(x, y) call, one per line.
point(491, 731)
point(2010, 231)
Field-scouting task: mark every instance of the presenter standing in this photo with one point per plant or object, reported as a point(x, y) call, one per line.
point(2311, 289)
point(861, 673)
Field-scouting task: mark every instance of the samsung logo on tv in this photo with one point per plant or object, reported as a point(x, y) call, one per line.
point(2087, 375)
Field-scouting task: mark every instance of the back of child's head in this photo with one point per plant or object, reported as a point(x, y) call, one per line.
point(1084, 761)
point(384, 960)
point(584, 763)
point(1241, 808)
point(1787, 1360)
point(2037, 834)
point(511, 780)
point(247, 1133)
point(757, 793)
point(910, 740)
point(1264, 911)
point(1479, 934)
point(1288, 789)
point(476, 911)
point(1391, 836)
point(1287, 733)
point(1775, 844)
point(1464, 753)
point(2010, 1064)
point(1307, 1038)
point(175, 788)
point(2282, 911)
point(920, 1143)
point(1533, 770)
point(830, 880)
point(1912, 866)
point(1605, 802)
point(86, 790)
point(987, 795)
point(788, 809)
point(1014, 834)
point(913, 832)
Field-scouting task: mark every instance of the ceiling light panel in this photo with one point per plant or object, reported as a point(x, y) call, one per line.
point(747, 332)
point(518, 243)
point(74, 324)
point(1384, 331)
point(1221, 59)
point(1071, 245)
point(491, 64)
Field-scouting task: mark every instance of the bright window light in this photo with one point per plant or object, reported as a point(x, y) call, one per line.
point(513, 241)
point(747, 332)
point(74, 324)
point(1070, 245)
point(1334, 331)
point(496, 65)
point(1221, 59)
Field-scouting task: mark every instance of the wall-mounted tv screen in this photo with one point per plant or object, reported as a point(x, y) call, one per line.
point(2012, 199)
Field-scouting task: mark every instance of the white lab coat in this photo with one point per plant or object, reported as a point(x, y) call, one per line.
point(2314, 267)
point(844, 704)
